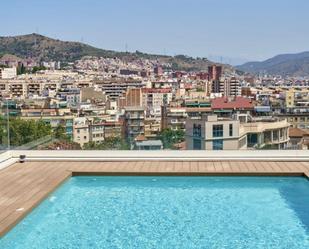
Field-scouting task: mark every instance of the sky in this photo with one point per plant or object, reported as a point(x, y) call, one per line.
point(233, 31)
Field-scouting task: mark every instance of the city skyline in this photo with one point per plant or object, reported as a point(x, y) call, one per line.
point(233, 30)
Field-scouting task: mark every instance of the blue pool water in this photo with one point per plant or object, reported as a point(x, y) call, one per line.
point(169, 213)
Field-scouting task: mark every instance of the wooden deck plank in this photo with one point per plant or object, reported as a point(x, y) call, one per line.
point(226, 166)
point(194, 167)
point(237, 167)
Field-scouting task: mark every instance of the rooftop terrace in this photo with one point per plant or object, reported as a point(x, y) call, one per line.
point(25, 185)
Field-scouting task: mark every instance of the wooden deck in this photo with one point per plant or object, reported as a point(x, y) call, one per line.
point(23, 186)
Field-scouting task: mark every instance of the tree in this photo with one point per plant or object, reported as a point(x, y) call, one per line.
point(60, 133)
point(21, 69)
point(36, 69)
point(170, 137)
point(25, 131)
point(110, 143)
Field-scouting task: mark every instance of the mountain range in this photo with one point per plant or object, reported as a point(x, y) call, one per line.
point(296, 65)
point(42, 48)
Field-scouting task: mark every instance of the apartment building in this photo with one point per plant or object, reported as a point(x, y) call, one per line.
point(81, 132)
point(297, 120)
point(215, 72)
point(72, 96)
point(18, 89)
point(213, 133)
point(99, 131)
point(134, 122)
point(153, 99)
point(152, 128)
point(23, 88)
point(88, 129)
point(173, 118)
point(131, 97)
point(52, 116)
point(232, 87)
point(297, 108)
point(8, 73)
point(34, 88)
point(266, 132)
point(297, 99)
point(226, 87)
point(117, 88)
point(113, 129)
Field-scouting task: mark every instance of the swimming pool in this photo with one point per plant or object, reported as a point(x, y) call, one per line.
point(169, 212)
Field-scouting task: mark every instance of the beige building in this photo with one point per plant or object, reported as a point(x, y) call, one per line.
point(173, 118)
point(152, 128)
point(213, 133)
point(81, 131)
point(271, 133)
point(297, 120)
point(153, 99)
point(134, 122)
point(8, 73)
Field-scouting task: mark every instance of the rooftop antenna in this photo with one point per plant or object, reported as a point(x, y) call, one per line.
point(126, 47)
point(35, 41)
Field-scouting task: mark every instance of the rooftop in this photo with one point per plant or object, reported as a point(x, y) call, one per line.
point(296, 132)
point(24, 185)
point(236, 103)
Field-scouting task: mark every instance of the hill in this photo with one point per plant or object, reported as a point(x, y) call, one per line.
point(43, 48)
point(285, 65)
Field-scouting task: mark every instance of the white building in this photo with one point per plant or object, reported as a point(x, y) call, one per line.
point(8, 73)
point(153, 100)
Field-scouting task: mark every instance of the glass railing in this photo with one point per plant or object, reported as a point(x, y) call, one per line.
point(39, 133)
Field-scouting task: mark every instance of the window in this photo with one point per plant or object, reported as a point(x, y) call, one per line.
point(197, 144)
point(217, 144)
point(197, 130)
point(252, 140)
point(231, 130)
point(217, 130)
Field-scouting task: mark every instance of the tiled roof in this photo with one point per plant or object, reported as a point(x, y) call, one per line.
point(236, 103)
point(296, 132)
point(156, 90)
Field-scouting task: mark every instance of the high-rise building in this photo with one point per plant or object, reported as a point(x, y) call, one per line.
point(158, 70)
point(231, 87)
point(134, 125)
point(227, 87)
point(132, 97)
point(215, 72)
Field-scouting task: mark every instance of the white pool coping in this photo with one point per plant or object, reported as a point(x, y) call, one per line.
point(8, 158)
point(106, 155)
